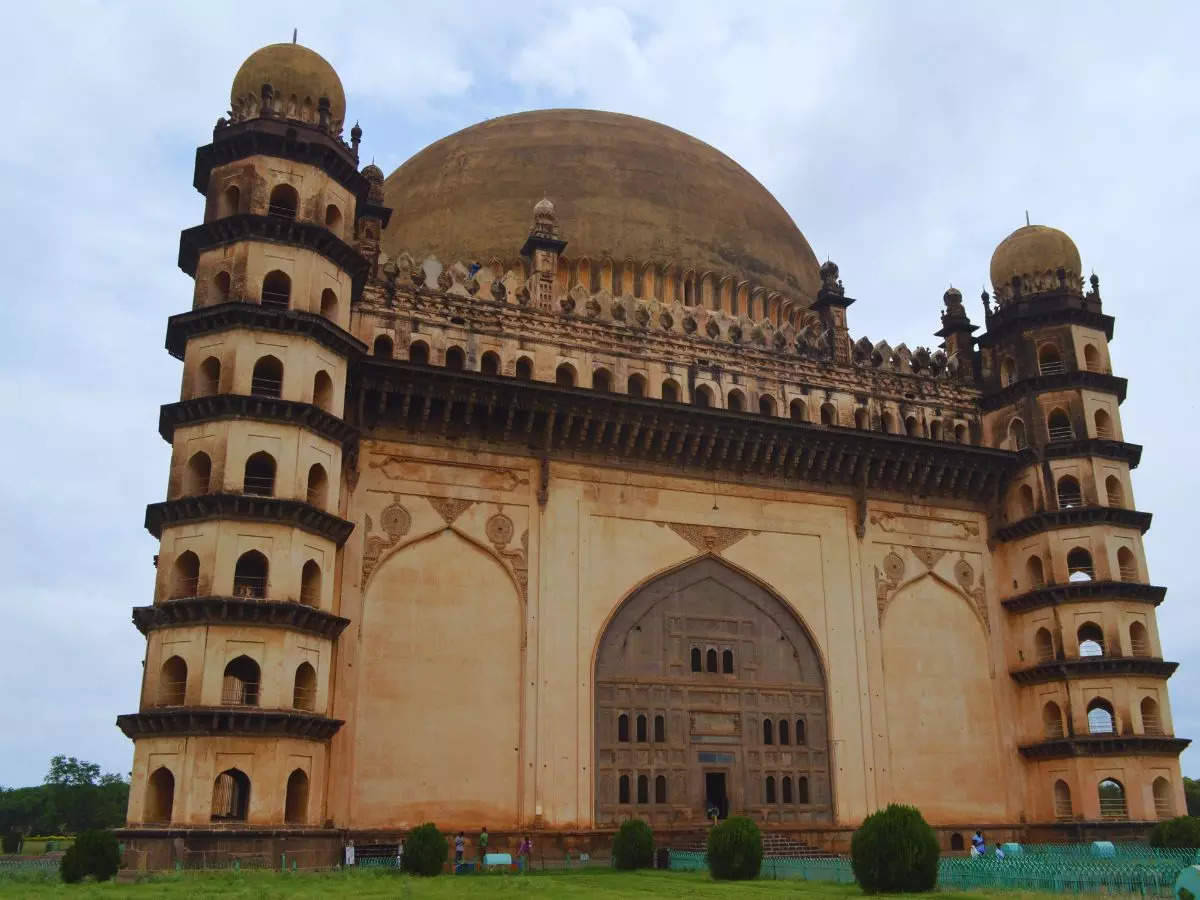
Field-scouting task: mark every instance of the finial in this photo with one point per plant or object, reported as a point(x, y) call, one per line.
point(295, 34)
point(1026, 218)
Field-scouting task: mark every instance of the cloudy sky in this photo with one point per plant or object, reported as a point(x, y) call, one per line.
point(905, 139)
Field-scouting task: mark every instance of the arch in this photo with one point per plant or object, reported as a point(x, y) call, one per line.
point(317, 491)
point(489, 363)
point(333, 218)
point(1127, 564)
point(418, 352)
point(456, 359)
point(1164, 805)
point(258, 478)
point(1091, 639)
point(277, 290)
point(250, 575)
point(1043, 645)
point(887, 422)
point(1026, 501)
point(384, 348)
point(1034, 572)
point(1114, 493)
point(1069, 493)
point(802, 789)
point(185, 576)
point(829, 414)
point(911, 427)
point(329, 304)
point(697, 664)
point(961, 434)
point(1079, 565)
point(1100, 717)
point(727, 662)
point(801, 733)
point(208, 382)
point(1104, 426)
point(769, 792)
point(231, 201)
point(1151, 718)
point(935, 430)
point(267, 378)
point(862, 419)
point(241, 682)
point(310, 584)
point(710, 660)
point(323, 391)
point(643, 789)
point(602, 381)
point(1063, 810)
point(956, 841)
point(160, 796)
point(1008, 371)
point(785, 737)
point(636, 386)
point(768, 731)
point(623, 789)
point(623, 728)
point(524, 368)
point(231, 796)
point(197, 474)
point(1050, 360)
point(797, 411)
point(703, 396)
point(172, 682)
point(1016, 435)
point(1052, 721)
point(1139, 640)
point(642, 733)
point(660, 728)
point(660, 789)
point(222, 286)
point(295, 804)
point(564, 375)
point(1058, 426)
point(283, 202)
point(1112, 799)
point(304, 687)
point(735, 400)
point(1091, 358)
point(787, 789)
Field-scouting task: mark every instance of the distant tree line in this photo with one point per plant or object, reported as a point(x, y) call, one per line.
point(75, 796)
point(1191, 790)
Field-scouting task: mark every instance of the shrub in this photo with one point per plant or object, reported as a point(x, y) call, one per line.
point(895, 850)
point(1182, 831)
point(633, 847)
point(95, 853)
point(12, 842)
point(735, 849)
point(425, 851)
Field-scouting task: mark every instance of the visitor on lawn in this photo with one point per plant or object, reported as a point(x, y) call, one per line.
point(459, 843)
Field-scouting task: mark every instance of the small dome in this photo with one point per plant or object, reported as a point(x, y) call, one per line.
point(1033, 254)
point(543, 206)
point(952, 296)
point(299, 77)
point(372, 173)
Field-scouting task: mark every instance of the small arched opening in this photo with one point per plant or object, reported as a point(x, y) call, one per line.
point(231, 201)
point(317, 492)
point(828, 414)
point(1151, 719)
point(277, 290)
point(240, 684)
point(1079, 565)
point(185, 576)
point(1113, 491)
point(333, 219)
point(524, 368)
point(1139, 640)
point(660, 728)
point(208, 381)
point(736, 401)
point(1063, 810)
point(887, 422)
point(564, 375)
point(911, 427)
point(766, 405)
point(797, 411)
point(304, 687)
point(802, 789)
point(1050, 360)
point(489, 363)
point(231, 796)
point(295, 807)
point(640, 726)
point(710, 660)
point(770, 789)
point(383, 347)
point(323, 391)
point(703, 396)
point(267, 378)
point(623, 789)
point(250, 575)
point(1008, 371)
point(787, 789)
point(284, 202)
point(1127, 564)
point(1091, 639)
point(935, 430)
point(727, 662)
point(1069, 493)
point(623, 728)
point(768, 731)
point(172, 682)
point(1112, 800)
point(418, 352)
point(310, 584)
point(785, 733)
point(1034, 573)
point(1104, 426)
point(660, 789)
point(602, 381)
point(637, 386)
point(862, 418)
point(961, 433)
point(1052, 721)
point(197, 475)
point(1091, 358)
point(1164, 807)
point(222, 286)
point(1043, 645)
point(801, 733)
point(1100, 717)
point(1016, 435)
point(956, 841)
point(456, 359)
point(329, 303)
point(259, 475)
point(643, 789)
point(1025, 500)
point(696, 660)
point(160, 796)
point(1058, 426)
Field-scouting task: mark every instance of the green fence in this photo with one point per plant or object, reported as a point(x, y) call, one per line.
point(28, 864)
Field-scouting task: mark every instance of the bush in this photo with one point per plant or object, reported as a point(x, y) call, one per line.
point(633, 847)
point(735, 849)
point(1182, 831)
point(95, 853)
point(895, 850)
point(425, 851)
point(12, 842)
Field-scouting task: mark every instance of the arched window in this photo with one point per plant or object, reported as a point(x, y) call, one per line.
point(696, 666)
point(564, 375)
point(259, 476)
point(961, 433)
point(209, 381)
point(660, 728)
point(1069, 494)
point(333, 219)
point(277, 290)
point(956, 841)
point(231, 796)
point(1112, 800)
point(197, 474)
point(802, 789)
point(1016, 435)
point(250, 575)
point(1043, 645)
point(172, 682)
point(1052, 723)
point(1139, 640)
point(284, 202)
point(727, 662)
point(525, 368)
point(1058, 426)
point(1164, 808)
point(911, 428)
point(801, 733)
point(641, 729)
point(862, 419)
point(1050, 360)
point(766, 405)
point(241, 682)
point(323, 391)
point(643, 784)
point(418, 352)
point(623, 728)
point(1034, 572)
point(267, 379)
point(1104, 428)
point(1079, 565)
point(1115, 494)
point(1091, 358)
point(231, 201)
point(304, 687)
point(1127, 564)
point(798, 411)
point(185, 575)
point(1151, 720)
point(670, 391)
point(828, 414)
point(1063, 810)
point(160, 796)
point(710, 660)
point(329, 304)
point(623, 789)
point(785, 737)
point(787, 789)
point(222, 286)
point(489, 363)
point(735, 401)
point(768, 731)
point(310, 584)
point(1100, 717)
point(1091, 639)
point(1008, 371)
point(770, 789)
point(456, 359)
point(383, 347)
point(1025, 495)
point(602, 381)
point(637, 386)
point(660, 789)
point(935, 430)
point(295, 806)
point(703, 396)
point(318, 485)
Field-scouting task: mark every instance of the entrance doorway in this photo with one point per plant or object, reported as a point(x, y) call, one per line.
point(714, 794)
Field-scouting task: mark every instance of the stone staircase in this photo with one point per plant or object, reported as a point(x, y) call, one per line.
point(774, 844)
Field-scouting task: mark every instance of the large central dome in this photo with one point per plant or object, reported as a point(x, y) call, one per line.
point(623, 187)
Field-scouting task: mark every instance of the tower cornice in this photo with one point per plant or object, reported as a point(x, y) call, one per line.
point(242, 611)
point(238, 314)
point(247, 507)
point(1130, 454)
point(242, 406)
point(1105, 745)
point(1072, 517)
point(1092, 667)
point(1082, 591)
point(218, 721)
point(1063, 381)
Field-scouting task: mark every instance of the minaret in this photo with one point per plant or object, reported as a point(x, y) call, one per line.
point(1095, 728)
point(235, 716)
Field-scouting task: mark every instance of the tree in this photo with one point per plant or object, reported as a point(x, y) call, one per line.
point(74, 796)
point(67, 770)
point(1191, 790)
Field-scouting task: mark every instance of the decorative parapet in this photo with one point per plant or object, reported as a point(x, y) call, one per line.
point(1075, 516)
point(219, 721)
point(246, 507)
point(224, 610)
point(261, 409)
point(1054, 308)
point(1105, 745)
point(1081, 591)
point(240, 314)
point(1093, 666)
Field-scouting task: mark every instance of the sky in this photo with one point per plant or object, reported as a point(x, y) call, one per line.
point(905, 139)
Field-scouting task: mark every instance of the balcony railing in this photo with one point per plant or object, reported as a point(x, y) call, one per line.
point(276, 299)
point(1113, 808)
point(171, 693)
point(1162, 808)
point(1061, 433)
point(1152, 723)
point(304, 698)
point(1052, 367)
point(253, 587)
point(1139, 647)
point(184, 587)
point(259, 485)
point(1063, 811)
point(1069, 498)
point(281, 212)
point(1081, 573)
point(239, 693)
point(1129, 572)
point(266, 387)
point(1104, 432)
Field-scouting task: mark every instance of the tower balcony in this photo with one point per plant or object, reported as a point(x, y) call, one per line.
point(1080, 379)
point(238, 314)
point(1104, 745)
point(247, 507)
point(256, 406)
point(227, 721)
point(1074, 516)
point(1103, 448)
point(1082, 591)
point(1092, 667)
point(240, 610)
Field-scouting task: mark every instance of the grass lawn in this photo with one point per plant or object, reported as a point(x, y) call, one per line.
point(600, 883)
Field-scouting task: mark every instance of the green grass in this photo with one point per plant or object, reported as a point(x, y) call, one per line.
point(599, 883)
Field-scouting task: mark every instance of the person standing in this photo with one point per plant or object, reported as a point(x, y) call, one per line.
point(525, 853)
point(978, 846)
point(459, 843)
point(349, 857)
point(400, 855)
point(483, 844)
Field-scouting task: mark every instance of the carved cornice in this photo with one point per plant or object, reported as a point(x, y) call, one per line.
point(247, 507)
point(1060, 307)
point(220, 610)
point(262, 409)
point(237, 314)
point(218, 721)
point(1081, 591)
point(1073, 517)
point(1092, 666)
point(1098, 447)
point(250, 227)
point(1063, 381)
point(1105, 745)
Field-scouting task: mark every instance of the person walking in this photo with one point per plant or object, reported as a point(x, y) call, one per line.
point(400, 855)
point(483, 845)
point(349, 853)
point(460, 842)
point(525, 853)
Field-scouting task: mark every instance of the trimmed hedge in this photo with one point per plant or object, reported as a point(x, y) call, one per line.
point(94, 853)
point(735, 849)
point(895, 850)
point(1182, 831)
point(12, 842)
point(425, 851)
point(633, 847)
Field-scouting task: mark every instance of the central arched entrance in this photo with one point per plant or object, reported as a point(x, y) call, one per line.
point(709, 694)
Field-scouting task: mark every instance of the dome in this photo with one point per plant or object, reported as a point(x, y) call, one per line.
point(297, 75)
point(1034, 254)
point(621, 186)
